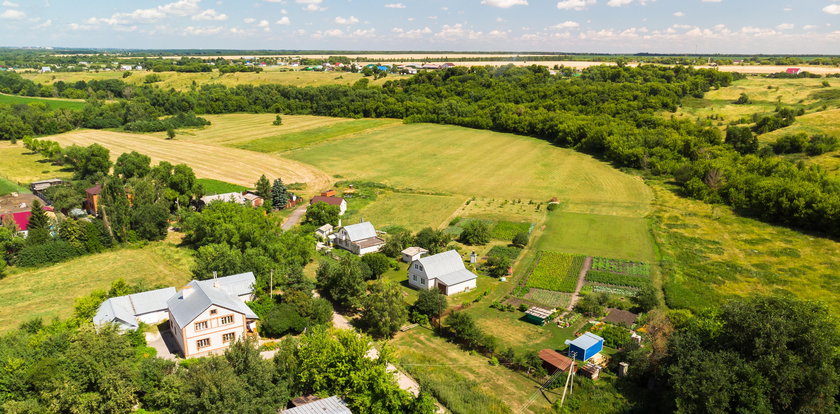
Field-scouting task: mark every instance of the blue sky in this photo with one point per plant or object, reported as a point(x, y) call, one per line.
point(663, 26)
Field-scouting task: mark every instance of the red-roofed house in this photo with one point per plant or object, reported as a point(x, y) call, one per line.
point(793, 71)
point(21, 219)
point(333, 201)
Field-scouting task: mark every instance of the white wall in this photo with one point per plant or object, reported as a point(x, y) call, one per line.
point(213, 332)
point(153, 318)
point(417, 278)
point(461, 287)
point(372, 249)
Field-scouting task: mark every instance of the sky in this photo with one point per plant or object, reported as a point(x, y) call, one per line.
point(596, 26)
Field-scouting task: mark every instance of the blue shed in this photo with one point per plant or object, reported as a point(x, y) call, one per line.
point(585, 346)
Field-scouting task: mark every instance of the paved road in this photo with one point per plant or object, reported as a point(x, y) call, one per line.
point(294, 218)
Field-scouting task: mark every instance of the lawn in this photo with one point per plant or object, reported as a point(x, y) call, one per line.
point(50, 102)
point(412, 211)
point(711, 254)
point(212, 186)
point(443, 158)
point(598, 235)
point(19, 165)
point(513, 331)
point(463, 382)
point(51, 291)
point(7, 187)
point(224, 164)
point(285, 141)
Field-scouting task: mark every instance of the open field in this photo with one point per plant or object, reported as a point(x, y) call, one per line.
point(457, 160)
point(182, 81)
point(230, 165)
point(50, 102)
point(823, 122)
point(709, 254)
point(598, 235)
point(462, 382)
point(20, 166)
point(7, 187)
point(412, 211)
point(50, 291)
point(212, 186)
point(285, 141)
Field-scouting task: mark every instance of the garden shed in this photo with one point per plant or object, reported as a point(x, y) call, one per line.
point(538, 315)
point(553, 361)
point(585, 346)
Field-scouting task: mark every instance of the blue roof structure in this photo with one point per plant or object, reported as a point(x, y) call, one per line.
point(585, 346)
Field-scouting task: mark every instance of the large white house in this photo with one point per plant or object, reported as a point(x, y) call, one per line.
point(206, 316)
point(359, 238)
point(444, 271)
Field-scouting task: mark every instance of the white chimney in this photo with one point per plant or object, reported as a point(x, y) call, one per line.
point(215, 280)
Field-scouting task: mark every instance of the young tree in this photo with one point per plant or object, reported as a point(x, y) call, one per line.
point(521, 239)
point(431, 302)
point(646, 298)
point(322, 213)
point(279, 194)
point(396, 242)
point(497, 266)
point(115, 209)
point(384, 312)
point(263, 187)
point(93, 163)
point(65, 197)
point(741, 139)
point(39, 225)
point(170, 133)
point(133, 164)
point(277, 121)
point(378, 264)
point(343, 282)
point(434, 241)
point(476, 232)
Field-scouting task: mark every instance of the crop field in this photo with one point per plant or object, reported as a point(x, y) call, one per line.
point(711, 254)
point(230, 165)
point(442, 158)
point(549, 297)
point(50, 291)
point(183, 81)
point(626, 267)
point(556, 271)
point(598, 235)
point(507, 230)
point(286, 141)
point(219, 187)
point(50, 102)
point(510, 252)
point(463, 382)
point(412, 211)
point(18, 165)
point(616, 279)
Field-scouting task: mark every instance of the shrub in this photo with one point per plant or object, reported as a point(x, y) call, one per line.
point(521, 239)
point(509, 252)
point(280, 320)
point(51, 252)
point(476, 232)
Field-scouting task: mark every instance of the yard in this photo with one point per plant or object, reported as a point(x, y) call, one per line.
point(598, 235)
point(51, 291)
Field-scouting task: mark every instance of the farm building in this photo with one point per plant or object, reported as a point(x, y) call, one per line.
point(621, 317)
point(553, 361)
point(92, 198)
point(538, 315)
point(585, 346)
point(359, 238)
point(444, 271)
point(128, 311)
point(313, 405)
point(331, 200)
point(324, 231)
point(413, 253)
point(245, 198)
point(793, 71)
point(17, 208)
point(38, 187)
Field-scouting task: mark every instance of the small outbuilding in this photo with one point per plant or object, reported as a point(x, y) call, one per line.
point(331, 405)
point(359, 238)
point(585, 346)
point(324, 231)
point(538, 315)
point(413, 253)
point(553, 361)
point(621, 317)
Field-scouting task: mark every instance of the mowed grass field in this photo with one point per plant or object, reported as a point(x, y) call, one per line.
point(412, 211)
point(617, 237)
point(19, 165)
point(184, 80)
point(456, 160)
point(51, 291)
point(228, 164)
point(7, 187)
point(50, 102)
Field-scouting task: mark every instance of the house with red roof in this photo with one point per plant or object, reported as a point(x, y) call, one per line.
point(793, 71)
point(332, 200)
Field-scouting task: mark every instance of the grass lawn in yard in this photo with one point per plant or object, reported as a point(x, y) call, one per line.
point(598, 235)
point(50, 292)
point(463, 382)
point(7, 187)
point(19, 165)
point(513, 331)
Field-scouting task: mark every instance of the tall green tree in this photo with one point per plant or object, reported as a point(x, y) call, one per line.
point(476, 232)
point(322, 213)
point(377, 263)
point(343, 282)
point(383, 311)
point(93, 163)
point(39, 225)
point(433, 240)
point(114, 209)
point(431, 302)
point(132, 164)
point(741, 139)
point(263, 187)
point(279, 194)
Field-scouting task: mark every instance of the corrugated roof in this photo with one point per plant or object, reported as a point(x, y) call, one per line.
point(331, 405)
point(585, 341)
point(116, 310)
point(236, 197)
point(185, 308)
point(456, 277)
point(413, 250)
point(556, 359)
point(360, 231)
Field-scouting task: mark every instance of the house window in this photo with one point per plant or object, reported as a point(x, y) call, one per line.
point(200, 325)
point(213, 311)
point(422, 280)
point(228, 337)
point(202, 343)
point(227, 319)
point(415, 277)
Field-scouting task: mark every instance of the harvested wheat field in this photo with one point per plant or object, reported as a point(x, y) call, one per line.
point(229, 164)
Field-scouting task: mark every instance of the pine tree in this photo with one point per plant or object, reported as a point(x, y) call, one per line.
point(39, 225)
point(263, 187)
point(279, 194)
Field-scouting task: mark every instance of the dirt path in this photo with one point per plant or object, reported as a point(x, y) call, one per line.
point(294, 218)
point(587, 264)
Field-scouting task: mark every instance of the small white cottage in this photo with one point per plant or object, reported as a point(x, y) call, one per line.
point(444, 271)
point(359, 238)
point(413, 253)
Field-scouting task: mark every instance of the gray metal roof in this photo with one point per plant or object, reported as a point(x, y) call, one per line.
point(331, 405)
point(585, 341)
point(125, 309)
point(413, 250)
point(191, 301)
point(446, 267)
point(235, 197)
point(237, 285)
point(360, 231)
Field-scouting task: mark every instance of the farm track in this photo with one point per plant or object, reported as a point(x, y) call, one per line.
point(587, 264)
point(226, 164)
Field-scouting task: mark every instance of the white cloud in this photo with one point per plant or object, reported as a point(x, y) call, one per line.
point(412, 34)
point(395, 6)
point(809, 27)
point(504, 4)
point(457, 32)
point(328, 33)
point(679, 14)
point(832, 9)
point(263, 24)
point(312, 5)
point(283, 11)
point(348, 20)
point(618, 3)
point(568, 24)
point(210, 14)
point(574, 4)
point(364, 33)
point(712, 1)
point(499, 20)
point(498, 34)
point(249, 20)
point(284, 21)
point(12, 14)
point(43, 25)
point(7, 3)
point(202, 31)
point(785, 26)
point(177, 8)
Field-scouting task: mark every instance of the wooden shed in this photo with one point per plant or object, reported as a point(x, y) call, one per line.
point(553, 360)
point(538, 315)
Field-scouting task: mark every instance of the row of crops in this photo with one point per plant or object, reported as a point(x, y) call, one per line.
point(618, 276)
point(624, 267)
point(616, 279)
point(556, 271)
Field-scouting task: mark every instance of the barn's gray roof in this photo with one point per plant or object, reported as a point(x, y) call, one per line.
point(360, 231)
point(237, 285)
point(191, 301)
point(151, 301)
point(125, 309)
point(446, 267)
point(331, 405)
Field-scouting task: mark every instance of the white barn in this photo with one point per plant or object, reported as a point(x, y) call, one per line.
point(444, 271)
point(359, 238)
